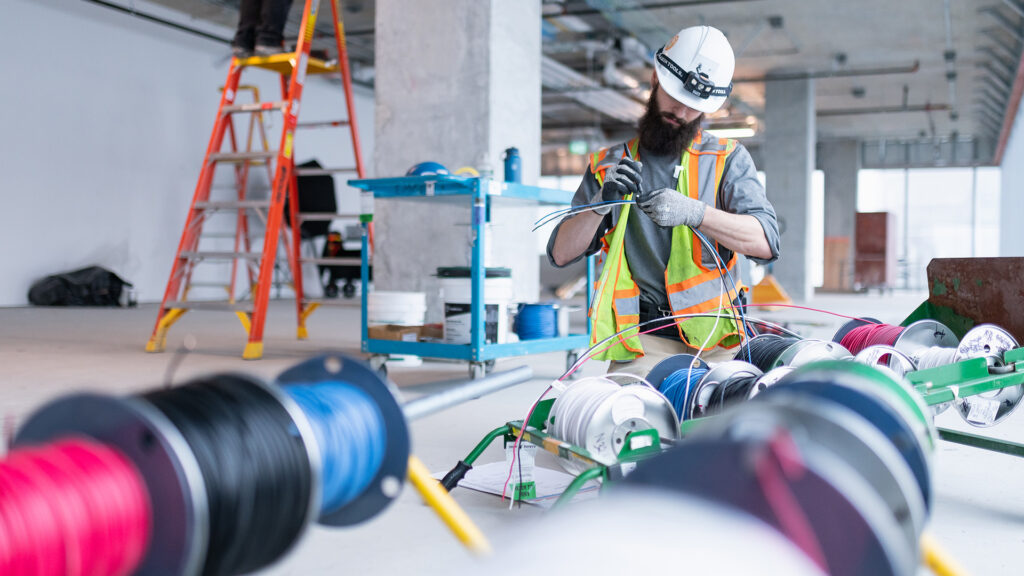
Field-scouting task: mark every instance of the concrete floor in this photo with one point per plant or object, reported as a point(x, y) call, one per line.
point(44, 353)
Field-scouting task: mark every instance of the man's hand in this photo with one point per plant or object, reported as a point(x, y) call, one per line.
point(619, 180)
point(669, 208)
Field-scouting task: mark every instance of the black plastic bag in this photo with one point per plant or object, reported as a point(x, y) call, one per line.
point(92, 286)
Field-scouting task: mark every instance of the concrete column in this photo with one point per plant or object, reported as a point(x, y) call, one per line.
point(788, 164)
point(456, 83)
point(840, 161)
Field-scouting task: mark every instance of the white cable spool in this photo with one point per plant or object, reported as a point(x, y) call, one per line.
point(597, 414)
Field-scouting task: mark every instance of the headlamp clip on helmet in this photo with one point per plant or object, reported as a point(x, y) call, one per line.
point(695, 83)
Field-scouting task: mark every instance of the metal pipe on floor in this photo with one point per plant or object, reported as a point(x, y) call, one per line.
point(464, 392)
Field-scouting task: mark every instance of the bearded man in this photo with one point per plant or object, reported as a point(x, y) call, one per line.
point(658, 198)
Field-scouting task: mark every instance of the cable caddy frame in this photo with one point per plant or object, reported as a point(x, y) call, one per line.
point(293, 68)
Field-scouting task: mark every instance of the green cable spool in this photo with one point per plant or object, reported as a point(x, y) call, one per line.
point(905, 398)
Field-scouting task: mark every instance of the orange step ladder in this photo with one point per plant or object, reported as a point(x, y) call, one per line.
point(293, 68)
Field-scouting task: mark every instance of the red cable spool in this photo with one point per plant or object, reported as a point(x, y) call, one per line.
point(72, 508)
point(861, 337)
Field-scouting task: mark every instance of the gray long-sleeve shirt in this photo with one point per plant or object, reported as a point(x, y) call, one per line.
point(648, 245)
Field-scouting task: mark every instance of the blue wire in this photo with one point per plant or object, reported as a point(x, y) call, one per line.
point(350, 431)
point(677, 386)
point(536, 321)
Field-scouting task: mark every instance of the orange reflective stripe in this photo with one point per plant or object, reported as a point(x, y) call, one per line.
point(690, 282)
point(709, 306)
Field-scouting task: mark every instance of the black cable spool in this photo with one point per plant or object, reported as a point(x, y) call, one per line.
point(255, 461)
point(764, 350)
point(733, 391)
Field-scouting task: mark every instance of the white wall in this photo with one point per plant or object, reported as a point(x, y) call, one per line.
point(105, 121)
point(1011, 233)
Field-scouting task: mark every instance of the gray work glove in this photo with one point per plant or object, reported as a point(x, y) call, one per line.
point(668, 208)
point(619, 180)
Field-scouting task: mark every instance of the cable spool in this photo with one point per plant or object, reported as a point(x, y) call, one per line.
point(598, 414)
point(816, 489)
point(72, 507)
point(670, 365)
point(850, 325)
point(881, 356)
point(807, 351)
point(536, 321)
point(989, 342)
point(734, 379)
point(769, 379)
point(764, 350)
point(679, 388)
point(895, 410)
point(911, 340)
point(262, 479)
point(347, 502)
point(159, 453)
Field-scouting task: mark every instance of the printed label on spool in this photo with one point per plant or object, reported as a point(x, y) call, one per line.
point(983, 411)
point(458, 323)
point(522, 485)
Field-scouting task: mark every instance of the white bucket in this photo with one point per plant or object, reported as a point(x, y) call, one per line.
point(457, 296)
point(401, 308)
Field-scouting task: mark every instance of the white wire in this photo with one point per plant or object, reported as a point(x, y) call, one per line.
point(935, 356)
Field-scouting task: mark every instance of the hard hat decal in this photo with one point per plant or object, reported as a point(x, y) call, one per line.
point(671, 42)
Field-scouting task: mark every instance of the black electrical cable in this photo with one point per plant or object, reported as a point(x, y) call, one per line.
point(256, 469)
point(731, 391)
point(764, 350)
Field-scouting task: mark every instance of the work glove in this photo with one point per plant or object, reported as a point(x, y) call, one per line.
point(619, 180)
point(669, 208)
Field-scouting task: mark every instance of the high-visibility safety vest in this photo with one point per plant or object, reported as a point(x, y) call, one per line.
point(691, 285)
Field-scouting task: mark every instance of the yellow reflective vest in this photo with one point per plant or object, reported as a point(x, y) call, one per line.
point(691, 286)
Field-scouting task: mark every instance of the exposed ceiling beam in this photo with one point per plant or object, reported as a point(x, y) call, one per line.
point(638, 7)
point(772, 76)
point(882, 110)
point(1015, 7)
point(559, 77)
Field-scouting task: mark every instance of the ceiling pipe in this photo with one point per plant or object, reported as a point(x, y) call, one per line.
point(774, 76)
point(639, 7)
point(883, 110)
point(1015, 7)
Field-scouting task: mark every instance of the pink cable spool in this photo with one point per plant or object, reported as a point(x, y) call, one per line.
point(861, 337)
point(72, 508)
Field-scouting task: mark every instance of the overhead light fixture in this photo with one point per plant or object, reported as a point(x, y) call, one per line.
point(732, 132)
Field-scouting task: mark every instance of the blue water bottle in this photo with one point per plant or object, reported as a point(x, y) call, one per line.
point(513, 166)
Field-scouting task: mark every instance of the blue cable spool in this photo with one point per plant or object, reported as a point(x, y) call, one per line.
point(350, 432)
point(535, 321)
point(871, 407)
point(355, 487)
point(679, 386)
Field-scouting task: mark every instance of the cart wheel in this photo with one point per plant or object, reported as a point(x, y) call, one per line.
point(331, 290)
point(378, 362)
point(477, 370)
point(348, 290)
point(570, 358)
point(489, 366)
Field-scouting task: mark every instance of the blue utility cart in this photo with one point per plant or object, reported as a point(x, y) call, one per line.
point(481, 193)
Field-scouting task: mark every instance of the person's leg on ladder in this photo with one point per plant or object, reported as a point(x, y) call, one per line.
point(245, 37)
point(270, 33)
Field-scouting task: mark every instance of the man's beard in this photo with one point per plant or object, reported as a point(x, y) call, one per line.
point(660, 137)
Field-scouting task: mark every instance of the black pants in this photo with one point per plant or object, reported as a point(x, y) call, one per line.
point(261, 22)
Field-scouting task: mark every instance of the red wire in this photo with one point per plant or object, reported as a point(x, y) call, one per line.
point(863, 336)
point(72, 508)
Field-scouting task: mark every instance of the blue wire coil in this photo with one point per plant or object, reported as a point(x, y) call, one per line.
point(350, 431)
point(679, 386)
point(537, 321)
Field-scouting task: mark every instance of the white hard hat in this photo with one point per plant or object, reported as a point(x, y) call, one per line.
point(696, 67)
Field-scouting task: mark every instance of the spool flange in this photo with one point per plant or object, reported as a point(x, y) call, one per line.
point(989, 342)
point(387, 484)
point(672, 364)
point(807, 351)
point(163, 458)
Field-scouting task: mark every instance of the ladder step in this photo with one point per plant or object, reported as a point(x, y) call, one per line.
point(332, 302)
point(243, 156)
point(208, 285)
point(325, 216)
point(322, 124)
point(233, 205)
point(255, 107)
point(221, 255)
point(323, 171)
point(211, 305)
point(334, 261)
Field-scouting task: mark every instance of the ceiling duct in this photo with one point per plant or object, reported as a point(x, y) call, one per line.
point(559, 77)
